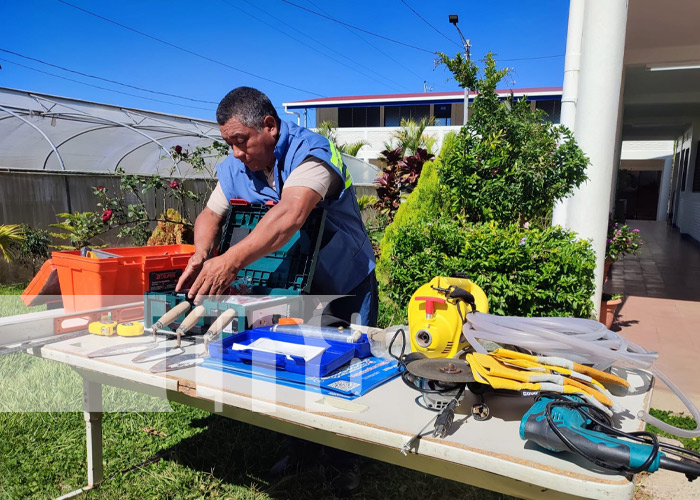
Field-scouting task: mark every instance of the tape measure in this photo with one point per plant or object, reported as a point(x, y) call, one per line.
point(106, 328)
point(130, 329)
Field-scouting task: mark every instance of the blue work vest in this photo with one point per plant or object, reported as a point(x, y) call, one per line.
point(346, 256)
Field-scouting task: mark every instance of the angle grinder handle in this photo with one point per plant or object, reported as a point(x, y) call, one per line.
point(172, 315)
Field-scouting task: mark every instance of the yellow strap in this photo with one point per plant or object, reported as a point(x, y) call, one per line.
point(337, 160)
point(598, 375)
point(571, 384)
point(489, 370)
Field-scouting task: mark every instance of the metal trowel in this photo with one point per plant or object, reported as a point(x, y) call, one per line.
point(190, 360)
point(167, 318)
point(163, 352)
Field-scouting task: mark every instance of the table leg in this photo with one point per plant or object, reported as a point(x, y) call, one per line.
point(92, 411)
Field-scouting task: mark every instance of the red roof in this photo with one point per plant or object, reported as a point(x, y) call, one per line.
point(426, 95)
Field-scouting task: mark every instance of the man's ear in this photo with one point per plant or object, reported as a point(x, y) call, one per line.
point(270, 125)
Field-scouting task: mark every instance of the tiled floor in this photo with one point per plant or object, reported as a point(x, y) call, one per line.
point(661, 307)
point(667, 266)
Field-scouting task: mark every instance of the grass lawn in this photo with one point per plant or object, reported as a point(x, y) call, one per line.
point(178, 454)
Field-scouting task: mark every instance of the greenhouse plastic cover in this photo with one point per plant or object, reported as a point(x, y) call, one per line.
point(45, 132)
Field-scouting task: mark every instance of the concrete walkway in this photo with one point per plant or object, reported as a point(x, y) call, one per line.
point(661, 312)
point(661, 307)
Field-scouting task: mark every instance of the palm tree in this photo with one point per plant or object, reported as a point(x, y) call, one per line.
point(327, 129)
point(410, 136)
point(11, 237)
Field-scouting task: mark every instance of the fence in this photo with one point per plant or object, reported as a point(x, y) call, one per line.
point(35, 198)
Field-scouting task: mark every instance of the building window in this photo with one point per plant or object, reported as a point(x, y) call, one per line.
point(696, 171)
point(394, 114)
point(443, 114)
point(684, 167)
point(358, 117)
point(552, 108)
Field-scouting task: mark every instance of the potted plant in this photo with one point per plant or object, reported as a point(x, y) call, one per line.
point(621, 241)
point(608, 308)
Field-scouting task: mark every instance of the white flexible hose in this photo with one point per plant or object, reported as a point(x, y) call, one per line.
point(581, 340)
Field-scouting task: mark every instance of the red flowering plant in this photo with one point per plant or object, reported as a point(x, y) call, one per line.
point(134, 204)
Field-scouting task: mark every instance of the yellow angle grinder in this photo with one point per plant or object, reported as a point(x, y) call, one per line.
point(437, 312)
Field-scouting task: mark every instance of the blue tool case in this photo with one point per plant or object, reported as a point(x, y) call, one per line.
point(334, 353)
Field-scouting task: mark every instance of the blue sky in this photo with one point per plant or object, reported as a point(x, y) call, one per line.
point(286, 48)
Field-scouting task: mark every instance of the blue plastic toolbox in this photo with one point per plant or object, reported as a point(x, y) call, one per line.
point(288, 354)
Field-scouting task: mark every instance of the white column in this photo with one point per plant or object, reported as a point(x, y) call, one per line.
point(595, 129)
point(572, 65)
point(664, 190)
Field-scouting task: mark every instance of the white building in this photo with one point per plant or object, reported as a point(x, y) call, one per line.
point(374, 118)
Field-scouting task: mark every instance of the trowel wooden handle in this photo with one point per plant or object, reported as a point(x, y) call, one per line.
point(220, 323)
point(173, 314)
point(191, 319)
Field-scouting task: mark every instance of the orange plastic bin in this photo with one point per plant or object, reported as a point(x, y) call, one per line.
point(91, 283)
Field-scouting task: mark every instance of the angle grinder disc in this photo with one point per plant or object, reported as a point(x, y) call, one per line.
point(442, 370)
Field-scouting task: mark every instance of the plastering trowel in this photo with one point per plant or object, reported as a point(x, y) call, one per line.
point(167, 318)
point(163, 352)
point(190, 360)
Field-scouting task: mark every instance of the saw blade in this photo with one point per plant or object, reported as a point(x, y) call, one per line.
point(30, 344)
point(116, 350)
point(158, 353)
point(442, 370)
point(177, 363)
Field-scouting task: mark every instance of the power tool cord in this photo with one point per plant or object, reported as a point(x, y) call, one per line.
point(603, 423)
point(405, 374)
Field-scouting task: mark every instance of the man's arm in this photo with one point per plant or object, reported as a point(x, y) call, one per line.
point(206, 228)
point(274, 230)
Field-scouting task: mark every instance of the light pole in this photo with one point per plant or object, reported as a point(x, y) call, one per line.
point(454, 19)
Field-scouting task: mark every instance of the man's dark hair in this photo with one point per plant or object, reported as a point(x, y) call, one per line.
point(247, 105)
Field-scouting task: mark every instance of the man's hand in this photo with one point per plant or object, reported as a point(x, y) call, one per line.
point(194, 266)
point(214, 279)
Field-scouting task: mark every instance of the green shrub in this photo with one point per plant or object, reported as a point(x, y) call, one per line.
point(35, 247)
point(483, 206)
point(509, 164)
point(524, 272)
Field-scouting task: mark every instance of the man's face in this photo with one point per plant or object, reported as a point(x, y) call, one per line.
point(255, 148)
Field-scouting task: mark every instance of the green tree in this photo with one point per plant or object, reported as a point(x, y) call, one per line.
point(35, 247)
point(482, 207)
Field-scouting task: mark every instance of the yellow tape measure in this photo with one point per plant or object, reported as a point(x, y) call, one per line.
point(130, 329)
point(106, 328)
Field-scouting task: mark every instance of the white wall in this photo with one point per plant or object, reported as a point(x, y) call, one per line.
point(687, 217)
point(377, 136)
